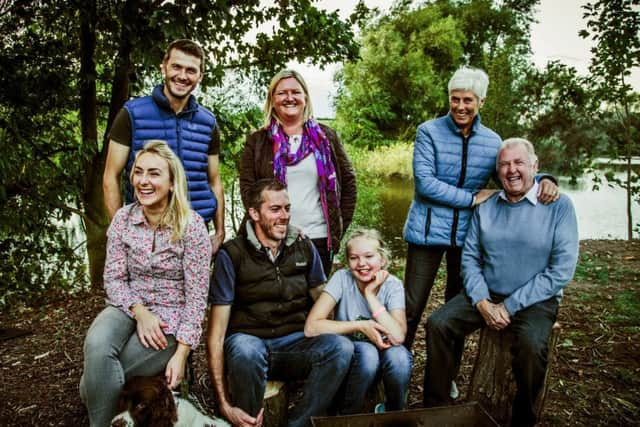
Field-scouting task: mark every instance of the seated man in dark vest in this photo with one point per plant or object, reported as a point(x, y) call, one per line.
point(264, 283)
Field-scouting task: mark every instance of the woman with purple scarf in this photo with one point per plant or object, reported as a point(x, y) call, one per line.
point(308, 158)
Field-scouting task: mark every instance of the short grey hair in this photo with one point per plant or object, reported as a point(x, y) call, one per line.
point(514, 142)
point(471, 79)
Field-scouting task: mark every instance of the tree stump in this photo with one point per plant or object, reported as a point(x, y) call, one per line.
point(275, 405)
point(492, 381)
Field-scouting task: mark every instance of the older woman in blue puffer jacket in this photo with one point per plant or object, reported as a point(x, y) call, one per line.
point(454, 158)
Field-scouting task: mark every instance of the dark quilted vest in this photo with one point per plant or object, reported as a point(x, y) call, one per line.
point(271, 299)
point(188, 134)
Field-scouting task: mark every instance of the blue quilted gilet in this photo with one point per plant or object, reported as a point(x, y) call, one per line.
point(447, 172)
point(188, 134)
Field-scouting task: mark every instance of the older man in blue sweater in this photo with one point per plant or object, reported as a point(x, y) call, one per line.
point(518, 256)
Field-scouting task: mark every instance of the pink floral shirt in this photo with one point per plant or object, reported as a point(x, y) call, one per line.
point(169, 279)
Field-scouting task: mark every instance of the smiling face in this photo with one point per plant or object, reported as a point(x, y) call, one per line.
point(365, 259)
point(152, 182)
point(464, 106)
point(289, 100)
point(181, 73)
point(516, 171)
point(272, 219)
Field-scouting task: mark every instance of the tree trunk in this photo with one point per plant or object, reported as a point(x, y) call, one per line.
point(95, 222)
point(275, 403)
point(93, 199)
point(492, 381)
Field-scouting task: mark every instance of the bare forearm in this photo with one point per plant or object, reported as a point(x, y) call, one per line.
point(112, 196)
point(395, 328)
point(326, 326)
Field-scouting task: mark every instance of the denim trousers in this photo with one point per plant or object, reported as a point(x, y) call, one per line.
point(447, 328)
point(322, 362)
point(369, 363)
point(421, 269)
point(113, 354)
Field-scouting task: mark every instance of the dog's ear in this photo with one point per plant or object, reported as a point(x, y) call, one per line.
point(163, 408)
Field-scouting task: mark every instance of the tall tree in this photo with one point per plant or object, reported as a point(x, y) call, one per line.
point(69, 66)
point(614, 26)
point(408, 55)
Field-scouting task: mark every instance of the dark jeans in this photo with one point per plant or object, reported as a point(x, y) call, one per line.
point(321, 361)
point(325, 256)
point(422, 267)
point(446, 330)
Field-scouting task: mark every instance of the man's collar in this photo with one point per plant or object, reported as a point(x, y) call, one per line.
point(162, 100)
point(531, 196)
point(292, 235)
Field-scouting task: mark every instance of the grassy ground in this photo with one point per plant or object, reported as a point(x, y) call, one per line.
point(595, 381)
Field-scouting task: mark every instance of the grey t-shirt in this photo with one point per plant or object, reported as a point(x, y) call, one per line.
point(351, 304)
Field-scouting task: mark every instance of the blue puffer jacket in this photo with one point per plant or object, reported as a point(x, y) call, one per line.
point(188, 133)
point(448, 169)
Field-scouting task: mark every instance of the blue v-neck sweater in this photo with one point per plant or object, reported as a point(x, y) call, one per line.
point(524, 251)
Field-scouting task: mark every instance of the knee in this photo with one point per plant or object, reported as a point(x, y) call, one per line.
point(437, 323)
point(97, 346)
point(530, 348)
point(367, 359)
point(398, 358)
point(337, 348)
point(245, 351)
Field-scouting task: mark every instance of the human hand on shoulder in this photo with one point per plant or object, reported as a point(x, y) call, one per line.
point(217, 240)
point(548, 192)
point(483, 195)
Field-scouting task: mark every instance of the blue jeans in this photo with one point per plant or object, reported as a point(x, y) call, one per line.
point(368, 364)
point(321, 361)
point(446, 330)
point(113, 354)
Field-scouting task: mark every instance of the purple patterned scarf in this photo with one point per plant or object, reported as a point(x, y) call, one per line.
point(314, 141)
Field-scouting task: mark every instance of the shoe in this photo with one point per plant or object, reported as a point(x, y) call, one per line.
point(379, 409)
point(454, 393)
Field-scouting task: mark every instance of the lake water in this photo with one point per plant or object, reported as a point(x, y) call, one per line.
point(601, 214)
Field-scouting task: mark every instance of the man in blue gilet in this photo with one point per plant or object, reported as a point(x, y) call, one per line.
point(171, 113)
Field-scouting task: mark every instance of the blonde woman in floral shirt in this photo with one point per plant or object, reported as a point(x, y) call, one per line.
point(156, 277)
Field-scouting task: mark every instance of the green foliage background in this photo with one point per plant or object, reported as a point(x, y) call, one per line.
point(68, 67)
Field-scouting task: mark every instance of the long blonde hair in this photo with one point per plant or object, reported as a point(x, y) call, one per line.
point(177, 214)
point(269, 112)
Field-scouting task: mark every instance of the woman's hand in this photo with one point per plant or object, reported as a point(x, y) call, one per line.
point(483, 195)
point(374, 331)
point(174, 372)
point(149, 328)
point(548, 192)
point(373, 286)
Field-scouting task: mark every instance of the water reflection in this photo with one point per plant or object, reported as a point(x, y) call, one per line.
point(601, 213)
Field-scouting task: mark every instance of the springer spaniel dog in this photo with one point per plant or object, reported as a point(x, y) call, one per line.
point(148, 402)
